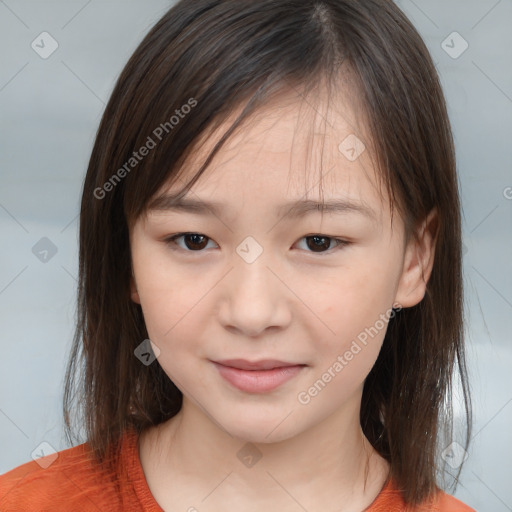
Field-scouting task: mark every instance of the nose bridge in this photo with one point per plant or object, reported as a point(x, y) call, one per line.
point(254, 299)
point(251, 276)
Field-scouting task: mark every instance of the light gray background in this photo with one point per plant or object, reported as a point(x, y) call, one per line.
point(50, 110)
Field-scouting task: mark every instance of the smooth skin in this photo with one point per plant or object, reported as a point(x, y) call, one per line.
point(300, 301)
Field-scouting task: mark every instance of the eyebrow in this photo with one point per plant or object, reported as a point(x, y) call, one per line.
point(293, 209)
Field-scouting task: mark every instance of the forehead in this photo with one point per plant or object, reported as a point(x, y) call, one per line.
point(293, 147)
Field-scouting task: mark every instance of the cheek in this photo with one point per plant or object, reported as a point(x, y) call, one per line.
point(168, 308)
point(356, 296)
point(175, 307)
point(354, 308)
point(359, 317)
point(165, 296)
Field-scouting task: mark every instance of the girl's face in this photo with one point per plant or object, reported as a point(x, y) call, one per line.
point(253, 282)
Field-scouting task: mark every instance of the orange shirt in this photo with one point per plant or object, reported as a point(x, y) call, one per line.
point(71, 483)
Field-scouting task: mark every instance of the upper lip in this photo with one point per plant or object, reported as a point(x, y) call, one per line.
point(262, 364)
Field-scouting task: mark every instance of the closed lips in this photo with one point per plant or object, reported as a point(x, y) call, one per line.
point(267, 364)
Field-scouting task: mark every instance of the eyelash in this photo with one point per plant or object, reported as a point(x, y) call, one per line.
point(171, 241)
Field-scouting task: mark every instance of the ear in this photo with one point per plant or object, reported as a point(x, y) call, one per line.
point(418, 262)
point(134, 294)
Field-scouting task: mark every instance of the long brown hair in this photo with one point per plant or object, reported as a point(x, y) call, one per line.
point(200, 62)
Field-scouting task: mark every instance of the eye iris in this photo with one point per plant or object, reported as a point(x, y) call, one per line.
point(195, 241)
point(315, 246)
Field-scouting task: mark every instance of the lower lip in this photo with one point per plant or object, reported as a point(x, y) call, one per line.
point(258, 381)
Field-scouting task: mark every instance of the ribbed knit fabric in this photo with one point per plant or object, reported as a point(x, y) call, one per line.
point(73, 483)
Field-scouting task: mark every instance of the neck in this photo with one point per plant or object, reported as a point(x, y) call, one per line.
point(331, 459)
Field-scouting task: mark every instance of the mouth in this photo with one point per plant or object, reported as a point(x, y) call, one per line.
point(258, 376)
point(263, 364)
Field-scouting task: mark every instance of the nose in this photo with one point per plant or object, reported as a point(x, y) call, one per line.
point(254, 299)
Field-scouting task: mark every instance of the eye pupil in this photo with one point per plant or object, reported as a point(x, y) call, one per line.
point(195, 241)
point(324, 245)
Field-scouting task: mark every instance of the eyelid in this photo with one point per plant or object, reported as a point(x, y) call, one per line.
point(170, 240)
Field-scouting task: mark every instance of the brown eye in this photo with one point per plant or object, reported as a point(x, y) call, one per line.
point(193, 242)
point(321, 243)
point(318, 243)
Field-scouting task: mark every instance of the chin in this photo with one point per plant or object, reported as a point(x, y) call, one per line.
point(261, 432)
